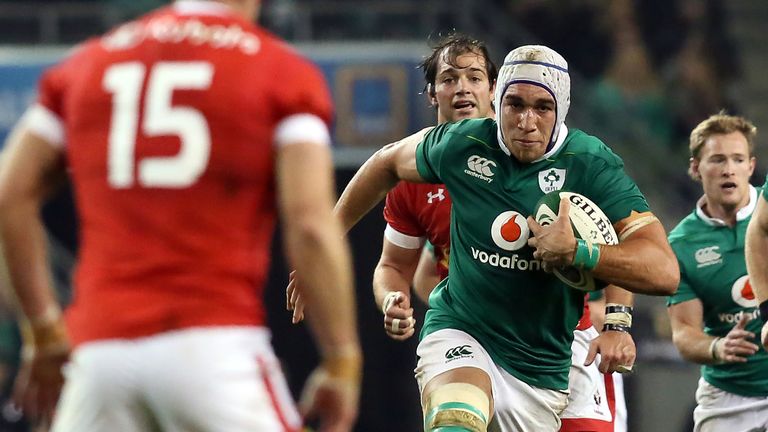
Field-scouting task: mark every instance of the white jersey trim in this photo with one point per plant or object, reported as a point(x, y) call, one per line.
point(45, 124)
point(302, 128)
point(561, 136)
point(201, 7)
point(405, 241)
point(741, 214)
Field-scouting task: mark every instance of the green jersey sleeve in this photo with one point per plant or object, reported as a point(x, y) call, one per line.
point(430, 153)
point(611, 188)
point(684, 290)
point(765, 188)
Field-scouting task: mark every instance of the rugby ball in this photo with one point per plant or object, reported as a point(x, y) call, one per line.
point(588, 222)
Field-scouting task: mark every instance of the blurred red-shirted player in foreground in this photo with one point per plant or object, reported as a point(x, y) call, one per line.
point(183, 134)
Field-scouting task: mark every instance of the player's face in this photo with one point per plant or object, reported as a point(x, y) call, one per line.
point(724, 168)
point(527, 120)
point(462, 92)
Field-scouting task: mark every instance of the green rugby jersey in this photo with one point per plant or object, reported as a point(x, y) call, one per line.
point(495, 290)
point(713, 270)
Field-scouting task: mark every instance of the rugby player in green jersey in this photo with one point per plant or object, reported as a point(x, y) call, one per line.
point(460, 80)
point(713, 311)
point(495, 347)
point(757, 258)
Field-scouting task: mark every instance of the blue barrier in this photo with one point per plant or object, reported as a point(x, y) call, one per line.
point(376, 89)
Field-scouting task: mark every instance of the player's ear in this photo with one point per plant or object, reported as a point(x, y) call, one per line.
point(431, 95)
point(693, 169)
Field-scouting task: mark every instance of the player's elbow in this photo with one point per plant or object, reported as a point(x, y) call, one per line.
point(312, 228)
point(385, 159)
point(665, 278)
point(681, 339)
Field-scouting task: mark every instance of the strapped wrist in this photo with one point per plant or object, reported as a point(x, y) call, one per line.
point(587, 254)
point(713, 349)
point(615, 327)
point(388, 300)
point(618, 314)
point(44, 333)
point(345, 362)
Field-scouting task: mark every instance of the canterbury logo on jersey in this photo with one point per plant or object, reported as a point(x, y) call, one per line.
point(457, 352)
point(708, 256)
point(480, 167)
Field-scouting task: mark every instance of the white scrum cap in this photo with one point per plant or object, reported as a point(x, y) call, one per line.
point(541, 66)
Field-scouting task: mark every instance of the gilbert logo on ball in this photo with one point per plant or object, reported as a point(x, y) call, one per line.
point(588, 222)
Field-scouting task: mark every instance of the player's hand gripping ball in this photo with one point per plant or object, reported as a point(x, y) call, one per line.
point(589, 223)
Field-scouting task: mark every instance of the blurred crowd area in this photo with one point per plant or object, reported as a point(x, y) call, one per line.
point(645, 72)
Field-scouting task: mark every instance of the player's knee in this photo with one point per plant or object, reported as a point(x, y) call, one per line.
point(457, 407)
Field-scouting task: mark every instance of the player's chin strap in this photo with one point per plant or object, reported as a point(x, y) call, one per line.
point(618, 317)
point(457, 407)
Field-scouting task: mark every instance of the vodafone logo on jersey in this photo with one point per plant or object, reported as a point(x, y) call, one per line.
point(510, 230)
point(742, 293)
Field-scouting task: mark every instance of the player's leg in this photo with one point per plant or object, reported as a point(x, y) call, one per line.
point(718, 410)
point(219, 379)
point(453, 358)
point(591, 402)
point(521, 407)
point(101, 392)
point(453, 377)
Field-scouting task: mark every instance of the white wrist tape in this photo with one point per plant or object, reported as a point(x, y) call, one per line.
point(388, 300)
point(620, 318)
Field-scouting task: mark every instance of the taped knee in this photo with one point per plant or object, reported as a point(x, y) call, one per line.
point(457, 407)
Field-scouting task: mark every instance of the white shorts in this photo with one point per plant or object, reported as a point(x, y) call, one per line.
point(201, 379)
point(718, 410)
point(595, 403)
point(518, 406)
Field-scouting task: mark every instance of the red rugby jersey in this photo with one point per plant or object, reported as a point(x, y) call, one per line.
point(167, 124)
point(418, 211)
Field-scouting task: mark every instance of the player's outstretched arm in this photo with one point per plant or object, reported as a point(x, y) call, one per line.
point(392, 286)
point(698, 347)
point(316, 248)
point(643, 262)
point(378, 175)
point(756, 250)
point(29, 169)
point(756, 254)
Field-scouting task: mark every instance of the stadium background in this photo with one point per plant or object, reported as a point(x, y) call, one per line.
point(644, 73)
